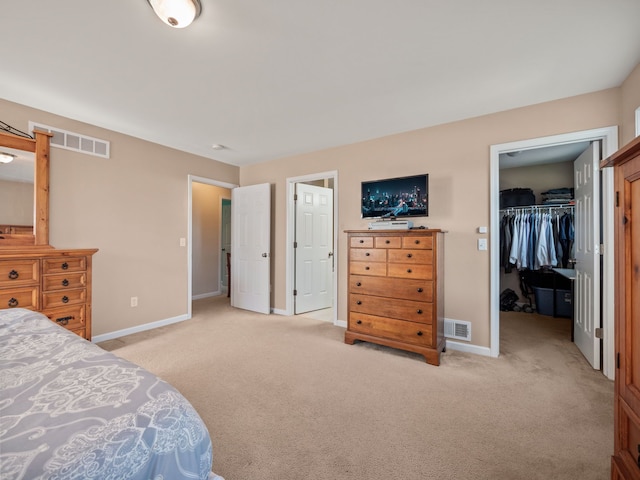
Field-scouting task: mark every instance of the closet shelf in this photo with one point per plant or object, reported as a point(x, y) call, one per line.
point(534, 208)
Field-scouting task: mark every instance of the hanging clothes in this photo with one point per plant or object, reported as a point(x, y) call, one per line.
point(533, 238)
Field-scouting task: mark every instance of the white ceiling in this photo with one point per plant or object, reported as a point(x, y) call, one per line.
point(274, 78)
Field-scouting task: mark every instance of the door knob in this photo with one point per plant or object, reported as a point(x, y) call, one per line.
point(265, 255)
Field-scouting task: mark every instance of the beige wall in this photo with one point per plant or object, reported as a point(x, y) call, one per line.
point(206, 249)
point(456, 157)
point(133, 207)
point(16, 203)
point(630, 101)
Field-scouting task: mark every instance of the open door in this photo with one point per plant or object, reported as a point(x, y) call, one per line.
point(250, 244)
point(313, 248)
point(225, 243)
point(587, 254)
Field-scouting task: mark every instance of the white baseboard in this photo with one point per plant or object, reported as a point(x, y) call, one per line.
point(468, 348)
point(279, 311)
point(140, 328)
point(341, 323)
point(206, 295)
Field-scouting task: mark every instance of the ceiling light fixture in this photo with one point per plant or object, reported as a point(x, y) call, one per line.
point(176, 13)
point(6, 157)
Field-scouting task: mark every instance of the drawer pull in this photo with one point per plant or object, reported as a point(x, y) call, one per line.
point(65, 266)
point(367, 254)
point(13, 274)
point(65, 283)
point(409, 255)
point(419, 333)
point(359, 302)
point(64, 320)
point(367, 268)
point(408, 270)
point(12, 303)
point(419, 312)
point(65, 299)
point(420, 290)
point(359, 322)
point(387, 242)
point(417, 242)
point(361, 241)
point(358, 284)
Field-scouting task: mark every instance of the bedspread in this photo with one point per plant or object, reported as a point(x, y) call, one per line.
point(70, 410)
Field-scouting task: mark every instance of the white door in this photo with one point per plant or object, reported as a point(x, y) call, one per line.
point(587, 254)
point(225, 241)
point(313, 248)
point(250, 246)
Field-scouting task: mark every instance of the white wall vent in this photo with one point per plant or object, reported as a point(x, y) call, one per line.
point(74, 141)
point(458, 329)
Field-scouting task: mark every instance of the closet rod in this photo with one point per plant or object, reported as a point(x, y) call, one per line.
point(534, 208)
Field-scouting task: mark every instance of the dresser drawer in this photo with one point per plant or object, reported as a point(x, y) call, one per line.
point(367, 255)
point(63, 264)
point(21, 297)
point(19, 272)
point(425, 242)
point(64, 297)
point(408, 289)
point(409, 332)
point(421, 312)
point(364, 268)
point(361, 242)
point(411, 256)
point(65, 281)
point(388, 242)
point(406, 270)
point(71, 318)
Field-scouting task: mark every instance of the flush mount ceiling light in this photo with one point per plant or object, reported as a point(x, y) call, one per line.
point(6, 157)
point(176, 13)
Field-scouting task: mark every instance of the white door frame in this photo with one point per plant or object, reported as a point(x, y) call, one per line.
point(191, 179)
point(291, 222)
point(223, 256)
point(609, 138)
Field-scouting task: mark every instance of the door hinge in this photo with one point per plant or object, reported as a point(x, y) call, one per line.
point(295, 292)
point(295, 244)
point(602, 249)
point(295, 197)
point(599, 333)
point(617, 199)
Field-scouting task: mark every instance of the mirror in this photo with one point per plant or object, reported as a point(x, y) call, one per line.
point(27, 177)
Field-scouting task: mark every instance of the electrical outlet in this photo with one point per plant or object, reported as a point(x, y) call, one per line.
point(183, 242)
point(134, 301)
point(482, 244)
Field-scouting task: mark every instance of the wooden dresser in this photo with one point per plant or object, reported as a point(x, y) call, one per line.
point(625, 462)
point(396, 290)
point(54, 282)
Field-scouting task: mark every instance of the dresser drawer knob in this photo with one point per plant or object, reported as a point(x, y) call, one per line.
point(65, 299)
point(358, 284)
point(417, 242)
point(64, 320)
point(409, 255)
point(359, 322)
point(419, 333)
point(65, 283)
point(361, 241)
point(367, 268)
point(13, 274)
point(367, 254)
point(65, 266)
point(419, 312)
point(359, 302)
point(12, 303)
point(420, 290)
point(387, 242)
point(408, 270)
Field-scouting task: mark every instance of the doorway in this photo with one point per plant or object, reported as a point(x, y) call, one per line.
point(608, 137)
point(204, 255)
point(328, 181)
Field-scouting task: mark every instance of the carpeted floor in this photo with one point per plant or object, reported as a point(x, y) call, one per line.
point(285, 398)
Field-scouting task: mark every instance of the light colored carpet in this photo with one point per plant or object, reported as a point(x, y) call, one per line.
point(285, 398)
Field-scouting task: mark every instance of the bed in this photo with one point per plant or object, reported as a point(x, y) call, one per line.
point(70, 410)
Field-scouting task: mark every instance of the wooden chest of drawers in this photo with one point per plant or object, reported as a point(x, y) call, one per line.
point(396, 293)
point(54, 282)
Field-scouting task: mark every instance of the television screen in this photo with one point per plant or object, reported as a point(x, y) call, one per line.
point(396, 197)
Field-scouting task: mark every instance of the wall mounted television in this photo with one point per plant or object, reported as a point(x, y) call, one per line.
point(396, 197)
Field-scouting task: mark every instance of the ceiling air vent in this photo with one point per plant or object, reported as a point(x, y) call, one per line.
point(457, 329)
point(74, 141)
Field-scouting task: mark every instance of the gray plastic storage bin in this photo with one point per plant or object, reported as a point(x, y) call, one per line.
point(544, 302)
